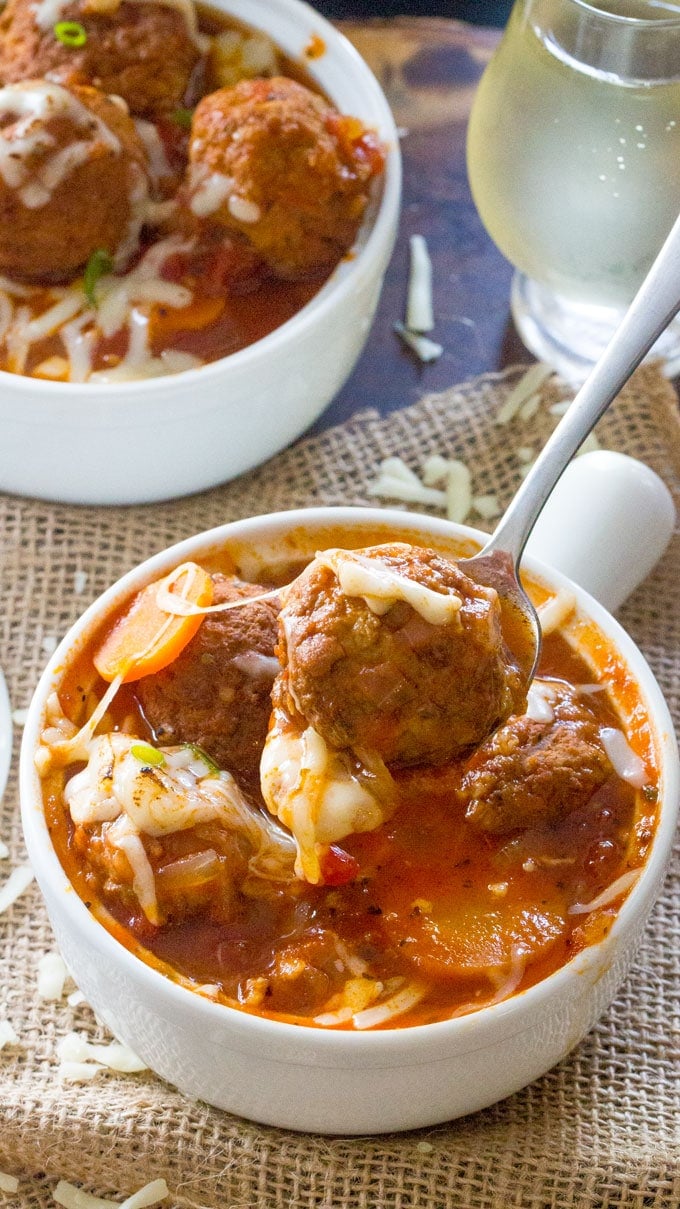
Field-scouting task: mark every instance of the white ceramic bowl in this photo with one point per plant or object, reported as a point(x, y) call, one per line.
point(306, 1078)
point(165, 437)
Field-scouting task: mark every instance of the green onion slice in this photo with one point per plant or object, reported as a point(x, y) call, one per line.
point(70, 33)
point(182, 117)
point(200, 754)
point(146, 754)
point(99, 264)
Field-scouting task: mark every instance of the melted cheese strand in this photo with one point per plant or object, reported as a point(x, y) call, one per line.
point(380, 587)
point(177, 606)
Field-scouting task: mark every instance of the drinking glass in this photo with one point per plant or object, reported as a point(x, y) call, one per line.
point(574, 165)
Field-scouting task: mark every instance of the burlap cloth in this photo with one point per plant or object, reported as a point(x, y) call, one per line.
point(601, 1129)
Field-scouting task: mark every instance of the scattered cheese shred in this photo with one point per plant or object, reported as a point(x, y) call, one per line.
point(79, 582)
point(73, 1048)
point(388, 487)
point(7, 1034)
point(522, 391)
point(590, 444)
point(5, 739)
point(75, 1198)
point(419, 306)
point(625, 762)
point(19, 717)
point(52, 975)
point(553, 612)
point(8, 1183)
point(621, 886)
point(393, 1007)
point(458, 491)
point(425, 349)
point(18, 881)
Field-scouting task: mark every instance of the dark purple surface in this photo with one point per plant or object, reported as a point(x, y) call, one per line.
point(429, 69)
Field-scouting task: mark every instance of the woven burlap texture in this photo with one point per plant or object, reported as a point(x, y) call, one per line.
point(601, 1129)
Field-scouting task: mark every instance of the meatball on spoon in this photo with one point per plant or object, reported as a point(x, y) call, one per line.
point(497, 564)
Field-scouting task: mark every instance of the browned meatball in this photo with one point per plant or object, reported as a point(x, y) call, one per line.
point(72, 176)
point(144, 53)
point(531, 773)
point(273, 162)
point(216, 693)
point(386, 678)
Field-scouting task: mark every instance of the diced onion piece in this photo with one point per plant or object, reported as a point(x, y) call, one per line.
point(621, 886)
point(405, 999)
point(52, 975)
point(555, 611)
point(425, 349)
point(8, 1183)
point(625, 762)
point(7, 1034)
point(419, 308)
point(18, 881)
point(527, 386)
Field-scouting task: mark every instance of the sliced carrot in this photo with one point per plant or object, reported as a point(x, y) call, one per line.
point(166, 320)
point(146, 638)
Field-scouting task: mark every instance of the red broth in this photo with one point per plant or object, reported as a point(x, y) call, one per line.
point(456, 917)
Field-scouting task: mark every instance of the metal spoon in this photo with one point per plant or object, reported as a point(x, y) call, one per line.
point(497, 564)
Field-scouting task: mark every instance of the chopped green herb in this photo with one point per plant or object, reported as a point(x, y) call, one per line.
point(99, 264)
point(182, 117)
point(70, 33)
point(146, 754)
point(200, 754)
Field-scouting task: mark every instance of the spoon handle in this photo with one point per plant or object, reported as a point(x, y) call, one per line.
point(655, 304)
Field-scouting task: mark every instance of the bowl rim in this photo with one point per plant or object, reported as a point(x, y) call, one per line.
point(374, 241)
point(413, 1043)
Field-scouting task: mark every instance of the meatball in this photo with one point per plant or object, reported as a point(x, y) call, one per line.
point(393, 649)
point(217, 692)
point(72, 180)
point(144, 53)
point(532, 772)
point(274, 163)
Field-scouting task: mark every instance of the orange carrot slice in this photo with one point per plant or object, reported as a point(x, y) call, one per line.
point(146, 638)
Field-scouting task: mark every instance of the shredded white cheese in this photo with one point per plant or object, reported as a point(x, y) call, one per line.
point(8, 1183)
point(72, 1197)
point(19, 717)
point(17, 883)
point(7, 1034)
point(52, 975)
point(112, 1056)
point(4, 851)
point(391, 1009)
point(555, 611)
point(80, 579)
point(425, 349)
point(419, 305)
point(379, 586)
point(522, 391)
point(609, 895)
point(625, 762)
